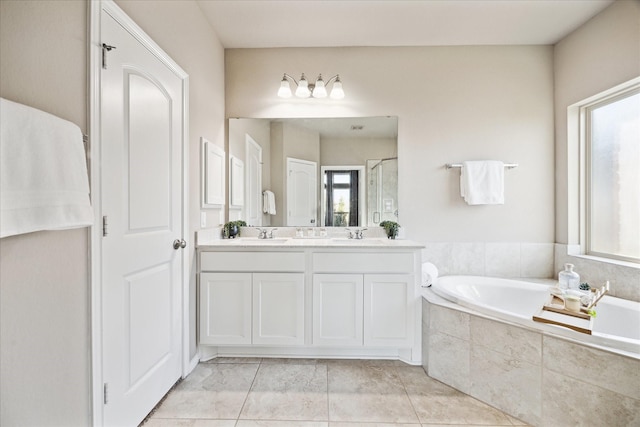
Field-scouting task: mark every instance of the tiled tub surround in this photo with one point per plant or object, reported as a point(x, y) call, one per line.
point(497, 259)
point(540, 378)
point(530, 260)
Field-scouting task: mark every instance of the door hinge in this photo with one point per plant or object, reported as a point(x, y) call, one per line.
point(105, 48)
point(104, 226)
point(105, 393)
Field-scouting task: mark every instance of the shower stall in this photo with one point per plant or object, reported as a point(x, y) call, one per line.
point(382, 190)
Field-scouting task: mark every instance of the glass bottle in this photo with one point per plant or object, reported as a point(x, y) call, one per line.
point(568, 279)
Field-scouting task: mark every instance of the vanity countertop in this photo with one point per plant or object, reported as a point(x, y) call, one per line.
point(292, 242)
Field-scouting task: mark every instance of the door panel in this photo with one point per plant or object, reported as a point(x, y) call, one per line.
point(225, 308)
point(337, 309)
point(254, 182)
point(387, 310)
point(149, 150)
point(278, 307)
point(148, 304)
point(302, 192)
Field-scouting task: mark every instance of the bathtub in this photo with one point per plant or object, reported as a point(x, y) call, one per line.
point(616, 326)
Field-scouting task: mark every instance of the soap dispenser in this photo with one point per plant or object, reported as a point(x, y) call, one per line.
point(568, 279)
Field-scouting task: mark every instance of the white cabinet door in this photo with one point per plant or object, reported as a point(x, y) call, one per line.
point(225, 308)
point(388, 313)
point(337, 309)
point(278, 308)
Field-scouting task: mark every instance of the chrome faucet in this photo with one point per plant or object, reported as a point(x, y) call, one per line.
point(263, 233)
point(356, 234)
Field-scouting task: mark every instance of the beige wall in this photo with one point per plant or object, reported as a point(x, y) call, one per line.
point(45, 331)
point(45, 374)
point(453, 104)
point(601, 54)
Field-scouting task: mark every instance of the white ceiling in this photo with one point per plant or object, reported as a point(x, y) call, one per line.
point(330, 23)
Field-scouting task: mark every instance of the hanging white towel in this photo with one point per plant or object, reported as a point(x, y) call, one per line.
point(43, 172)
point(268, 202)
point(482, 182)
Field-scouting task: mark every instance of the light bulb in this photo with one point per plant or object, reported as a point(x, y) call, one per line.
point(285, 89)
point(320, 91)
point(336, 90)
point(302, 91)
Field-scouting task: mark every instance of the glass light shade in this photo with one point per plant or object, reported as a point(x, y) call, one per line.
point(302, 91)
point(320, 91)
point(285, 89)
point(336, 90)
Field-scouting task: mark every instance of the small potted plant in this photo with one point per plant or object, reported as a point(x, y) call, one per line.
point(391, 228)
point(232, 228)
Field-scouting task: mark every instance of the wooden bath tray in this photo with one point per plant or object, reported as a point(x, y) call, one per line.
point(554, 305)
point(553, 314)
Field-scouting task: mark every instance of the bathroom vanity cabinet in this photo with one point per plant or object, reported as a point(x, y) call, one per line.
point(310, 299)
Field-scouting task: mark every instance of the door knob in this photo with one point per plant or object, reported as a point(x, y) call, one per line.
point(177, 244)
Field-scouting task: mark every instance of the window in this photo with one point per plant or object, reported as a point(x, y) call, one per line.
point(611, 126)
point(341, 195)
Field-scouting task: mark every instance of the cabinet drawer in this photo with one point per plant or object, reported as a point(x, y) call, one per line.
point(389, 262)
point(252, 261)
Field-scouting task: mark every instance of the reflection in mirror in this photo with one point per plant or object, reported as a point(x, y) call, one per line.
point(382, 190)
point(350, 162)
point(213, 172)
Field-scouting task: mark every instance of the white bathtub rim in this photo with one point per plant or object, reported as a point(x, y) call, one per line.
point(432, 296)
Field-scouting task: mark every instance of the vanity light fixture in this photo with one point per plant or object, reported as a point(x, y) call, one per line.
point(314, 90)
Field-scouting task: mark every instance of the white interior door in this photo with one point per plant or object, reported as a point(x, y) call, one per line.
point(253, 182)
point(302, 192)
point(142, 112)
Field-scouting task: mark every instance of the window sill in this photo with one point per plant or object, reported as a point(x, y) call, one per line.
point(575, 251)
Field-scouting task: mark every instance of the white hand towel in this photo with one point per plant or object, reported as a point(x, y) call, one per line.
point(429, 274)
point(482, 182)
point(43, 172)
point(268, 202)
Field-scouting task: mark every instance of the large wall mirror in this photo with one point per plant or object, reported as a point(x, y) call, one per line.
point(306, 172)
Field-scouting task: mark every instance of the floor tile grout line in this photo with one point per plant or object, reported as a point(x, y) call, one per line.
point(249, 391)
point(404, 387)
point(328, 405)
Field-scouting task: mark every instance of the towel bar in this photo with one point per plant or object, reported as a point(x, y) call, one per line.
point(459, 165)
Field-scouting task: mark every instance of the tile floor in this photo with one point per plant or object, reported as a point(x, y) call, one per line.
point(246, 392)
